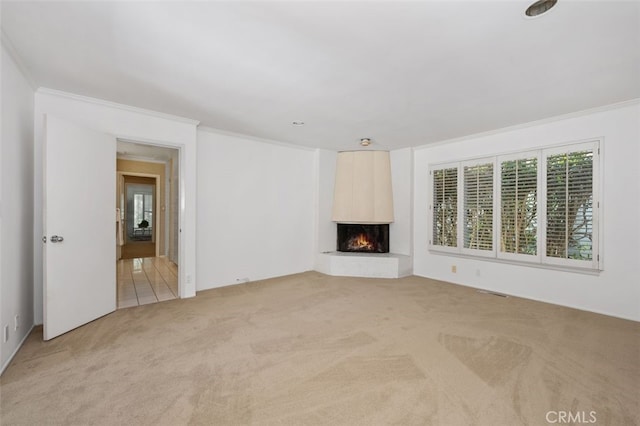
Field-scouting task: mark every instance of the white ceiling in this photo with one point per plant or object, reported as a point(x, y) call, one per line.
point(401, 73)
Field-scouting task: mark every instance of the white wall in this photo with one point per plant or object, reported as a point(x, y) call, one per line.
point(16, 212)
point(132, 124)
point(400, 231)
point(614, 291)
point(256, 209)
point(326, 229)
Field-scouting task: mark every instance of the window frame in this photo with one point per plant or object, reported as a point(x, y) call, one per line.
point(540, 259)
point(446, 249)
point(595, 218)
point(461, 211)
point(537, 154)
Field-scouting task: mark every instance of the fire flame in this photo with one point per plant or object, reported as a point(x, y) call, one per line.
point(360, 242)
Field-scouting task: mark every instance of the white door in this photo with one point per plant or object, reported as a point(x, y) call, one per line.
point(79, 225)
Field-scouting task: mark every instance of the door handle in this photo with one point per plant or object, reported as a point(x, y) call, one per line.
point(56, 239)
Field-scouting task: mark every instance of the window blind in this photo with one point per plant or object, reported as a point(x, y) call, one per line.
point(478, 206)
point(519, 206)
point(445, 207)
point(546, 206)
point(569, 190)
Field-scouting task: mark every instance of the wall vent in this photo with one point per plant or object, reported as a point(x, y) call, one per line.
point(493, 293)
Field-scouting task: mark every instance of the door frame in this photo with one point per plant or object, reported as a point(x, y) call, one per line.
point(127, 123)
point(157, 207)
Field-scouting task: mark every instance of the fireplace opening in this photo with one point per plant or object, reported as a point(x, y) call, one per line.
point(363, 238)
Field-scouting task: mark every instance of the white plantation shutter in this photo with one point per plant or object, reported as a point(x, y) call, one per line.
point(570, 210)
point(536, 207)
point(444, 207)
point(519, 205)
point(478, 206)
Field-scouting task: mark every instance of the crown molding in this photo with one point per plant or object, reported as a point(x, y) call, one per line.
point(581, 113)
point(17, 59)
point(102, 102)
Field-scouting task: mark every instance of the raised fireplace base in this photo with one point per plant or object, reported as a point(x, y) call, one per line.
point(369, 265)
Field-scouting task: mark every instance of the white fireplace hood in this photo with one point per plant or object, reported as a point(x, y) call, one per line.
point(363, 191)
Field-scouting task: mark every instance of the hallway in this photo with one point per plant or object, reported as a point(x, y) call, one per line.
point(146, 280)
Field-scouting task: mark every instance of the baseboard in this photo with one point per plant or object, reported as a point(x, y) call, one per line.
point(6, 364)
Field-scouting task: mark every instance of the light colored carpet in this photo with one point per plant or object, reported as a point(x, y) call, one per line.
point(311, 349)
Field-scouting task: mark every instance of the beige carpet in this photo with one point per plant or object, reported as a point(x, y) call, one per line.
point(310, 349)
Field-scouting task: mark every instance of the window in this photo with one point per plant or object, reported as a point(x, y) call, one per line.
point(570, 210)
point(518, 206)
point(445, 207)
point(544, 205)
point(478, 206)
point(142, 208)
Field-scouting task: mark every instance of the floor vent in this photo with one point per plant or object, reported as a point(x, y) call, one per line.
point(493, 294)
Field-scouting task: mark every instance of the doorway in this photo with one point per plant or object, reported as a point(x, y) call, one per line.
point(73, 294)
point(147, 205)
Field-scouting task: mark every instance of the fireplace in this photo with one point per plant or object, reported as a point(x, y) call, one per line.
point(363, 238)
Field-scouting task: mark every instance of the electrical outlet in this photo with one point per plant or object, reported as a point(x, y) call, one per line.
point(16, 322)
point(477, 272)
point(5, 337)
point(188, 279)
point(454, 269)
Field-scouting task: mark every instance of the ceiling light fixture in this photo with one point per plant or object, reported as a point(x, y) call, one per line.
point(539, 7)
point(365, 141)
point(298, 123)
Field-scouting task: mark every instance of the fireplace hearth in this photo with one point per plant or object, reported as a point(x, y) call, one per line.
point(360, 238)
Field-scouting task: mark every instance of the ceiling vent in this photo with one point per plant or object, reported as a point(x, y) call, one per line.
point(540, 7)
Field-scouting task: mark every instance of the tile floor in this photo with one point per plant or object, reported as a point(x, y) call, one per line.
point(146, 280)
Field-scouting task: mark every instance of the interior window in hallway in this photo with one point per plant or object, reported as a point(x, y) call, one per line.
point(146, 280)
